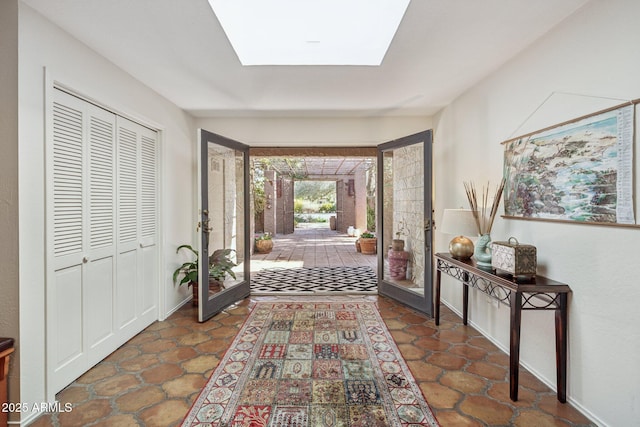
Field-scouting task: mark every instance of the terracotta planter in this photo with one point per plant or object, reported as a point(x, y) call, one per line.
point(368, 245)
point(397, 245)
point(194, 290)
point(264, 246)
point(214, 287)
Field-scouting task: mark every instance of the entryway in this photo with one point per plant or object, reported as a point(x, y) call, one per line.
point(403, 209)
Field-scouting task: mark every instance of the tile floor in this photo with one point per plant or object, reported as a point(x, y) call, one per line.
point(153, 379)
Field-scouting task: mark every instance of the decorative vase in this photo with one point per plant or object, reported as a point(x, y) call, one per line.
point(482, 251)
point(368, 245)
point(461, 247)
point(358, 249)
point(398, 264)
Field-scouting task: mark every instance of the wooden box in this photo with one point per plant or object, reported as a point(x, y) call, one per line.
point(513, 258)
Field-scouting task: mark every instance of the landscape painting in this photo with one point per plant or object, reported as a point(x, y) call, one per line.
point(579, 171)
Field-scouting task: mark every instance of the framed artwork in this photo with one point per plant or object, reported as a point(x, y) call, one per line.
point(580, 171)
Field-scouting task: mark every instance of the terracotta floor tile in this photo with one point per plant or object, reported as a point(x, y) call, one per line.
point(393, 324)
point(173, 332)
point(86, 413)
point(529, 381)
point(164, 414)
point(500, 392)
point(122, 420)
point(178, 354)
point(456, 419)
point(139, 363)
point(193, 339)
point(447, 360)
point(213, 345)
point(537, 419)
point(101, 371)
point(412, 352)
point(140, 398)
point(431, 344)
point(421, 330)
point(115, 385)
point(158, 346)
point(201, 364)
point(468, 352)
point(423, 371)
point(463, 381)
point(182, 387)
point(401, 337)
point(123, 353)
point(549, 403)
point(160, 374)
point(413, 319)
point(488, 370)
point(224, 332)
point(487, 410)
point(453, 336)
point(73, 394)
point(440, 396)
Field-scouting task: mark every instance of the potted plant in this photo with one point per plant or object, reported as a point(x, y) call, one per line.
point(264, 243)
point(220, 264)
point(368, 243)
point(397, 244)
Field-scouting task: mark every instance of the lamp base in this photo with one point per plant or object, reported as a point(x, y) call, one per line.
point(461, 247)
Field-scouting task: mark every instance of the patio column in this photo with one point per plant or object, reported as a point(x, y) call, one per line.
point(360, 200)
point(270, 205)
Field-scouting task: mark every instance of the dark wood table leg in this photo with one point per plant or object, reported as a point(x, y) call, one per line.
point(561, 348)
point(436, 302)
point(465, 297)
point(514, 345)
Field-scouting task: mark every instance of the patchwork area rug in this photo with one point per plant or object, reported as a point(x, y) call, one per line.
point(361, 279)
point(312, 364)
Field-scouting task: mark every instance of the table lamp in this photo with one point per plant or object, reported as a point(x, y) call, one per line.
point(459, 222)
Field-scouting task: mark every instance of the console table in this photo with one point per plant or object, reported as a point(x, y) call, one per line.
point(538, 293)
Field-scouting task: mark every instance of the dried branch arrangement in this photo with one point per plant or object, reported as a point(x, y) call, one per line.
point(484, 219)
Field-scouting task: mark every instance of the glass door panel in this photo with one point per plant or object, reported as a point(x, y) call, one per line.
point(404, 205)
point(224, 222)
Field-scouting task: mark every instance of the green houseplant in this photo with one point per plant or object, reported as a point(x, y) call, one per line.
point(220, 264)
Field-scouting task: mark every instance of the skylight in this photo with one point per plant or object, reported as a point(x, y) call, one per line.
point(310, 32)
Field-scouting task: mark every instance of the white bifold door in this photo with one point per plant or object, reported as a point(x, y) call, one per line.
point(102, 239)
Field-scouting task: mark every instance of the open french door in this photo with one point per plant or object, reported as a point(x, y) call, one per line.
point(223, 202)
point(405, 213)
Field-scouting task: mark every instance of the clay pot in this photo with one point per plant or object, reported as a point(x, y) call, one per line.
point(368, 245)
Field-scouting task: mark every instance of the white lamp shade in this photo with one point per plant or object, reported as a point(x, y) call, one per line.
point(459, 222)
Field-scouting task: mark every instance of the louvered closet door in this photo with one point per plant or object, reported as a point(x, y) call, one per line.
point(137, 229)
point(81, 229)
point(102, 255)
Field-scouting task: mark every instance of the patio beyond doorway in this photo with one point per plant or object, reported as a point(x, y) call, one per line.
point(313, 246)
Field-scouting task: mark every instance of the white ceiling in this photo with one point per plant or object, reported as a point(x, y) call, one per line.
point(178, 48)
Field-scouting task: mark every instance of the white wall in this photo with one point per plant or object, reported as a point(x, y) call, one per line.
point(591, 56)
point(69, 62)
point(315, 132)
